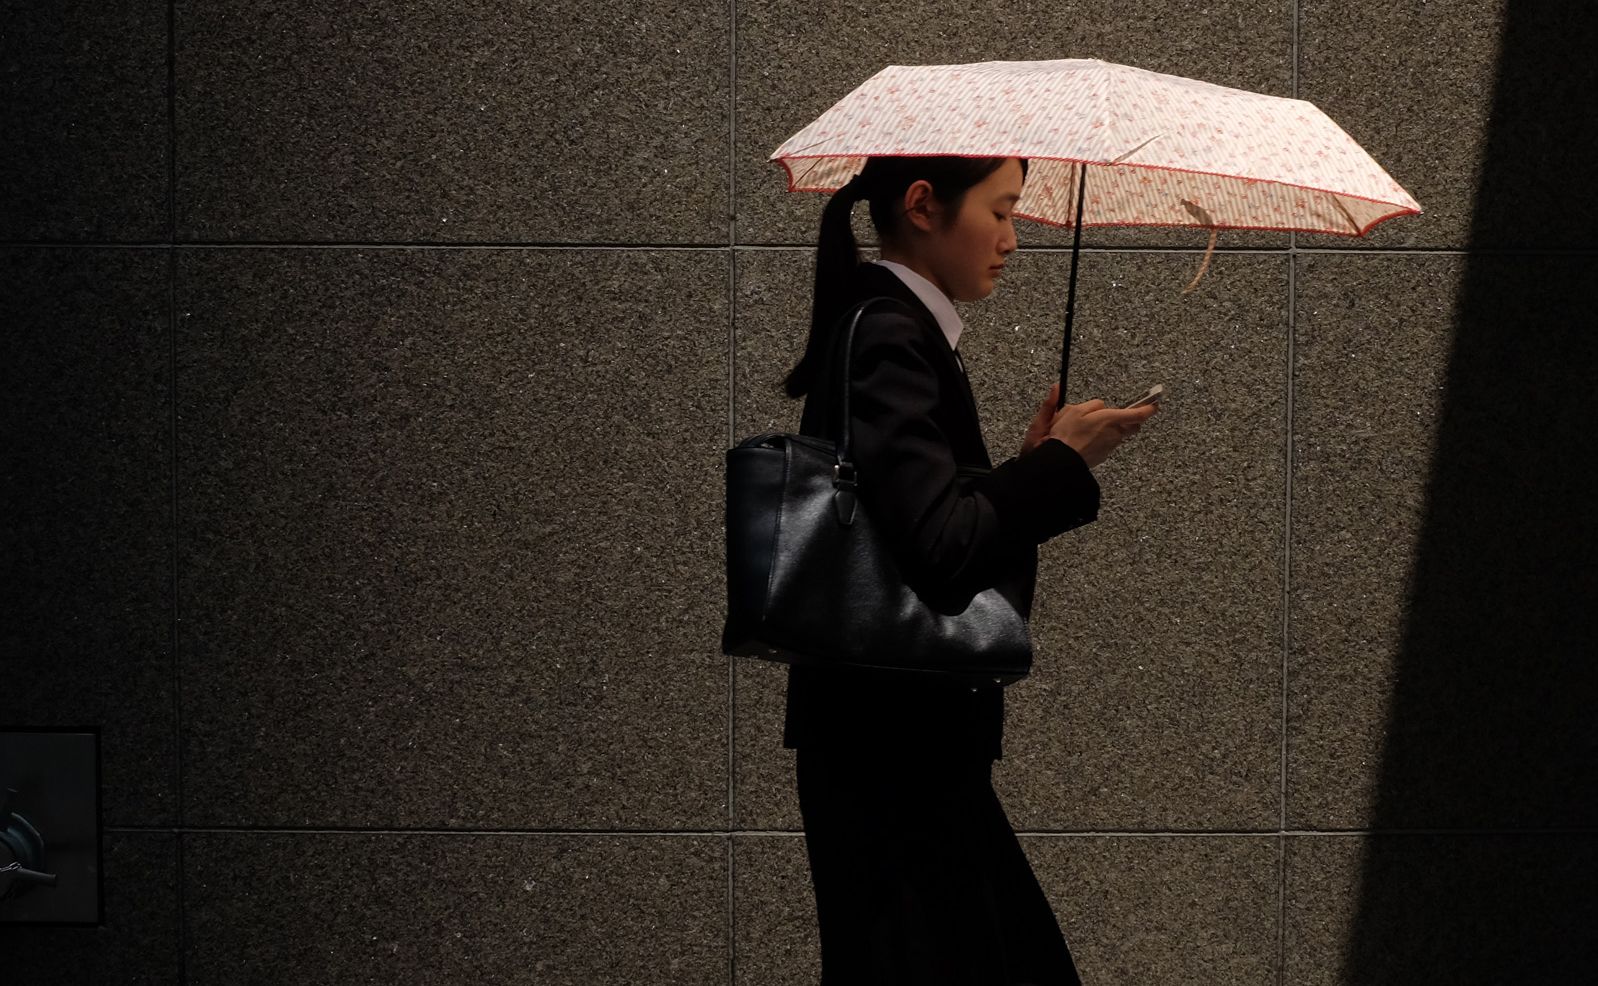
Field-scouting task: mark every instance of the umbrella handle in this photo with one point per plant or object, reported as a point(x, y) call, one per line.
point(1070, 296)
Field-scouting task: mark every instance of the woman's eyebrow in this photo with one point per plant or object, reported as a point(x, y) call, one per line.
point(1008, 195)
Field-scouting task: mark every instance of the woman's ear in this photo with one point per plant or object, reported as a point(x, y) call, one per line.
point(920, 206)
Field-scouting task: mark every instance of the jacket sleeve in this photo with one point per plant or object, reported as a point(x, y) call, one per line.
point(958, 540)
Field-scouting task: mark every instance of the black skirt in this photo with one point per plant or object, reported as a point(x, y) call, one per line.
point(862, 708)
point(919, 878)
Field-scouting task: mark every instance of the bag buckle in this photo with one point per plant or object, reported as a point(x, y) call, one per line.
point(843, 493)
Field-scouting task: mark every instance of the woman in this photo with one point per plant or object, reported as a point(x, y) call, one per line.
point(918, 876)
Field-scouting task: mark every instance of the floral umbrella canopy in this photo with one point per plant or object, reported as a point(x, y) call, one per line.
point(1164, 150)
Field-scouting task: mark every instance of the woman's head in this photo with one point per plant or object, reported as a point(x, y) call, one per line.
point(949, 218)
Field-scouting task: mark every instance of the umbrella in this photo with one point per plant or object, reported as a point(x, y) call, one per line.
point(1164, 150)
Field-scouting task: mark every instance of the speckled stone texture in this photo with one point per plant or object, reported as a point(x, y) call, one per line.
point(1155, 696)
point(452, 123)
point(354, 907)
point(86, 521)
point(1371, 357)
point(84, 111)
point(1134, 909)
point(1425, 908)
point(774, 912)
point(139, 943)
point(791, 68)
point(1441, 666)
point(368, 372)
point(449, 549)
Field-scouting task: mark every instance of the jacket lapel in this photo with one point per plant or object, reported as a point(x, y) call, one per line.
point(875, 279)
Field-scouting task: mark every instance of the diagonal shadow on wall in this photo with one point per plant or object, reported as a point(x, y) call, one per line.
point(1493, 729)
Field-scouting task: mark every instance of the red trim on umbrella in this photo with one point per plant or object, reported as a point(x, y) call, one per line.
point(1151, 167)
point(1265, 229)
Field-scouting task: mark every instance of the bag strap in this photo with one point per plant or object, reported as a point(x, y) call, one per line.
point(843, 471)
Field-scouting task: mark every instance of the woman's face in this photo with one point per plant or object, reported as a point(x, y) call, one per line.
point(963, 258)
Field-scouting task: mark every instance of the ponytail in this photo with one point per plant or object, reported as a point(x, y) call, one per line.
point(837, 255)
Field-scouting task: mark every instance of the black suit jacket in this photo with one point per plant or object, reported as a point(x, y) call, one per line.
point(914, 421)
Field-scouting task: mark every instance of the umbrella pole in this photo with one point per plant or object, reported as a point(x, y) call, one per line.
point(1070, 297)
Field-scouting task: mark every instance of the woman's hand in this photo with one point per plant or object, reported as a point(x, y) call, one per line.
point(1038, 430)
point(1090, 427)
point(1095, 430)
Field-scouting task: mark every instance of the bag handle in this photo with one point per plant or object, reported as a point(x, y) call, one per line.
point(843, 471)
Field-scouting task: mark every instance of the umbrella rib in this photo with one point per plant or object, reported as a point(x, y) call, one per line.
point(794, 152)
point(1134, 150)
point(813, 163)
point(1346, 214)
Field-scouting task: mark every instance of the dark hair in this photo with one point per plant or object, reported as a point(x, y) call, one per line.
point(882, 183)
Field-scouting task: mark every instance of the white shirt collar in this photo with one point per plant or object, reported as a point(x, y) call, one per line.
point(936, 301)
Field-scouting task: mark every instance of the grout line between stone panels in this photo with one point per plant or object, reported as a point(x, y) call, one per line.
point(1287, 597)
point(732, 420)
point(172, 462)
point(732, 410)
point(724, 834)
point(740, 247)
point(172, 602)
point(1287, 566)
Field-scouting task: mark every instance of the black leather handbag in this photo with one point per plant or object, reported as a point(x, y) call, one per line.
point(810, 579)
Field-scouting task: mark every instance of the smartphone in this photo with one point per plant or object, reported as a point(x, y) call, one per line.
point(1152, 397)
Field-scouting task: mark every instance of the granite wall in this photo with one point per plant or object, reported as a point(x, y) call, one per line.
point(368, 369)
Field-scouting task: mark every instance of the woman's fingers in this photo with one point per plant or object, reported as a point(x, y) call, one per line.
point(1140, 415)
